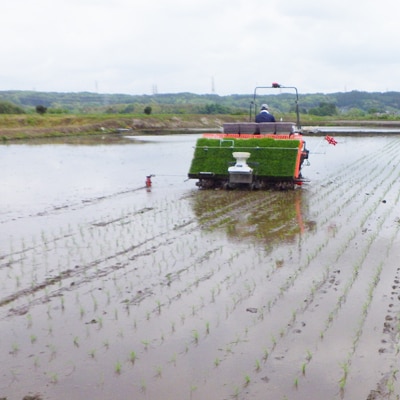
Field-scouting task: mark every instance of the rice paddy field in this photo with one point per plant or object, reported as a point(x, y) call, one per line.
point(109, 289)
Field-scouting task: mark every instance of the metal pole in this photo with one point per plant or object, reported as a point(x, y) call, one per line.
point(275, 86)
point(250, 110)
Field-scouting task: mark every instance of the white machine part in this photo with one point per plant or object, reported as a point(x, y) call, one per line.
point(240, 172)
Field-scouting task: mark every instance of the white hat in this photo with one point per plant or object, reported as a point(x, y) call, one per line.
point(264, 107)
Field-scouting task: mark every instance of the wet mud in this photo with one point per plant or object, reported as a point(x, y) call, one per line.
point(111, 289)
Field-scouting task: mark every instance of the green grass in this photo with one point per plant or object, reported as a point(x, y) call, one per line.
point(275, 158)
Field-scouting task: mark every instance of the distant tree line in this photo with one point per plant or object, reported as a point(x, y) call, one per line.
point(324, 109)
point(6, 107)
point(350, 103)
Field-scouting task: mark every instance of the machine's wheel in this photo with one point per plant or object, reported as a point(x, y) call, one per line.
point(255, 185)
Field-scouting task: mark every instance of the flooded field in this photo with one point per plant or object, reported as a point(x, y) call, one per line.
point(109, 289)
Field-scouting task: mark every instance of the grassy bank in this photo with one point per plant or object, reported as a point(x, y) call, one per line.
point(15, 127)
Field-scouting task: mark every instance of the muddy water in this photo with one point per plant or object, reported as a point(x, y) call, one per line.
point(112, 290)
point(38, 177)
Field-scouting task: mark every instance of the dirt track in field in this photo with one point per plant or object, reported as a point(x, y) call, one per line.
point(175, 293)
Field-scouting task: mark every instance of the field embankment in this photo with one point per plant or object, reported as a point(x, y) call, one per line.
point(35, 126)
point(15, 127)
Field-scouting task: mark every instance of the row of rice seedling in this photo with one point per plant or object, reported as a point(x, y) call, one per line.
point(151, 341)
point(49, 314)
point(333, 185)
point(278, 336)
point(354, 176)
point(72, 249)
point(382, 353)
point(355, 276)
point(94, 301)
point(309, 256)
point(208, 326)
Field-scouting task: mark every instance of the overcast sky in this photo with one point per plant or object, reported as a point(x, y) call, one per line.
point(199, 46)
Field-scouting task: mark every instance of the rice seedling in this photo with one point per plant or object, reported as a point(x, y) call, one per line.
point(95, 304)
point(183, 317)
point(53, 377)
point(213, 295)
point(158, 371)
point(50, 330)
point(236, 392)
point(390, 386)
point(14, 348)
point(193, 388)
point(49, 312)
point(217, 361)
point(173, 359)
point(247, 380)
point(158, 302)
point(29, 320)
point(118, 367)
point(145, 344)
point(132, 357)
point(343, 379)
point(195, 335)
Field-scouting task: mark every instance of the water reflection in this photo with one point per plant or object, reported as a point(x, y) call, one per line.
point(264, 217)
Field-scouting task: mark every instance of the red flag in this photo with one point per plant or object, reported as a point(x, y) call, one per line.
point(330, 140)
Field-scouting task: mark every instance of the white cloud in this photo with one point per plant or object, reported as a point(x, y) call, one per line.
point(128, 46)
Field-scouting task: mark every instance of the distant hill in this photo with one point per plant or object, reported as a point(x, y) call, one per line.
point(182, 103)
